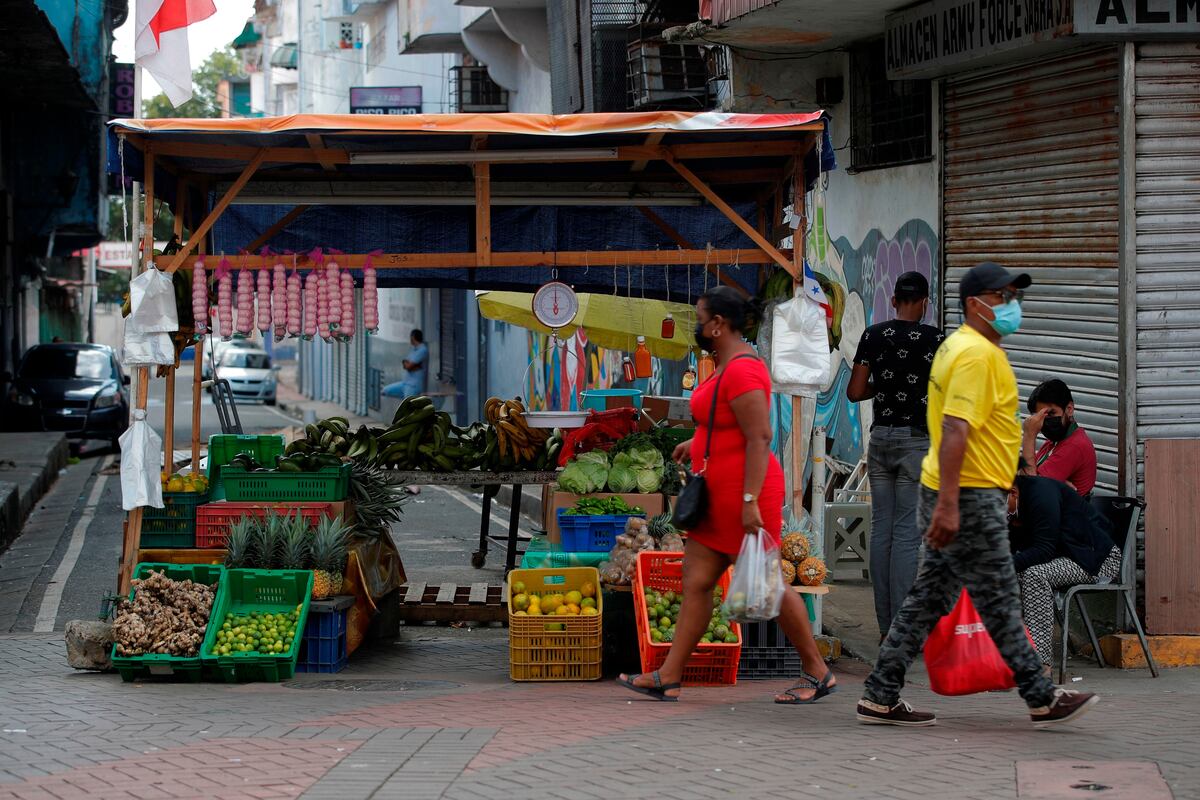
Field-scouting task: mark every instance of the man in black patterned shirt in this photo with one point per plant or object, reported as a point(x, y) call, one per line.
point(891, 368)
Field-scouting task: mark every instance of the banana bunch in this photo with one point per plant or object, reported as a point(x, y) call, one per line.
point(512, 443)
point(422, 438)
point(329, 436)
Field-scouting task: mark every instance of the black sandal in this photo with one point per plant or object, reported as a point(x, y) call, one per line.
point(807, 681)
point(658, 691)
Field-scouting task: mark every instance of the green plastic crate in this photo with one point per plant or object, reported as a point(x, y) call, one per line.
point(540, 554)
point(326, 485)
point(268, 590)
point(222, 447)
point(154, 665)
point(173, 525)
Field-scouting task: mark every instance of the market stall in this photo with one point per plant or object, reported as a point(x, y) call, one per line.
point(653, 205)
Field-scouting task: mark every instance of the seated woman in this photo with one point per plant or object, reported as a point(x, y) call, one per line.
point(1058, 540)
point(1067, 454)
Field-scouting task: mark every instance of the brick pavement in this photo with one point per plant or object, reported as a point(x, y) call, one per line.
point(471, 733)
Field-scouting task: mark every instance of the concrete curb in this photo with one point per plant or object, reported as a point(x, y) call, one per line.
point(31, 463)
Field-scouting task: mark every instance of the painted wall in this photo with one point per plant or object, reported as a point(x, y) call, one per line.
point(865, 229)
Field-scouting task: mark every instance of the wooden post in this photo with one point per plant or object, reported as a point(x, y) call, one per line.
point(133, 524)
point(483, 214)
point(197, 370)
point(800, 420)
point(169, 422)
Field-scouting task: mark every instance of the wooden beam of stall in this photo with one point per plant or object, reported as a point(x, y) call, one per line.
point(169, 421)
point(502, 259)
point(483, 214)
point(651, 141)
point(734, 217)
point(800, 436)
point(219, 209)
point(678, 239)
point(323, 153)
point(277, 228)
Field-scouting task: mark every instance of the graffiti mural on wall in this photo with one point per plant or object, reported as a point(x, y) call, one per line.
point(867, 274)
point(558, 375)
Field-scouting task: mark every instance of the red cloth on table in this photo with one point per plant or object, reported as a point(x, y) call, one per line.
point(602, 431)
point(721, 528)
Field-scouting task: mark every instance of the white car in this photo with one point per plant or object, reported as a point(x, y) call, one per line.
point(219, 348)
point(250, 374)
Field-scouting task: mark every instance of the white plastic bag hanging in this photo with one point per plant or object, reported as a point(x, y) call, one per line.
point(146, 349)
point(141, 454)
point(800, 359)
point(756, 589)
point(152, 303)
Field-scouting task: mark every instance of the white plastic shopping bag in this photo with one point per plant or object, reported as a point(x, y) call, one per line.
point(800, 359)
point(141, 454)
point(146, 349)
point(152, 303)
point(756, 589)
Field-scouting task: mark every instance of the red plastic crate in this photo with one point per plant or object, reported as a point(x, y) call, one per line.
point(213, 520)
point(710, 664)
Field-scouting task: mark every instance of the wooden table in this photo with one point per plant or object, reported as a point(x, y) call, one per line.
point(490, 483)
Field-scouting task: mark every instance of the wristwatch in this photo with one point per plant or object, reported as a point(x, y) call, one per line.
point(748, 498)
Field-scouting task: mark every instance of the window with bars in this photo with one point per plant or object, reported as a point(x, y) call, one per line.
point(891, 121)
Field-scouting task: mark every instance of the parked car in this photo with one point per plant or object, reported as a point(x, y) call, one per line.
point(78, 389)
point(250, 374)
point(218, 349)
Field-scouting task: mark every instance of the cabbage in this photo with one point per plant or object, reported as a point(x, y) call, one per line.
point(644, 457)
point(598, 457)
point(621, 479)
point(573, 479)
point(648, 480)
point(586, 474)
point(623, 460)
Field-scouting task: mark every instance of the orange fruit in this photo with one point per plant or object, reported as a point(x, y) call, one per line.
point(588, 590)
point(589, 611)
point(572, 609)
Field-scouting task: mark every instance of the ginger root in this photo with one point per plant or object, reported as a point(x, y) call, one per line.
point(165, 616)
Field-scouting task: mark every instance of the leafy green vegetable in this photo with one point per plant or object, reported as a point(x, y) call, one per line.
point(585, 474)
point(648, 480)
point(596, 506)
point(622, 479)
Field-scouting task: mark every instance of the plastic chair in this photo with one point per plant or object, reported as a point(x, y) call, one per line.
point(1123, 513)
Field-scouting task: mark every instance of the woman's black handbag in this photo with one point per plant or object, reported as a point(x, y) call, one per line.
point(692, 503)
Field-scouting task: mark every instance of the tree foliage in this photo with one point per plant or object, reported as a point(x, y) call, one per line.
point(206, 80)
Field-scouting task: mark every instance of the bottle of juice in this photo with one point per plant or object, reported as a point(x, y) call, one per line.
point(705, 367)
point(641, 359)
point(627, 370)
point(668, 327)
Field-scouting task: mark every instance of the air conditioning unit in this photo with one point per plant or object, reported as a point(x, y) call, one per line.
point(663, 75)
point(474, 92)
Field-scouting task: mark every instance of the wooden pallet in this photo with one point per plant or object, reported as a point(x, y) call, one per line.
point(450, 602)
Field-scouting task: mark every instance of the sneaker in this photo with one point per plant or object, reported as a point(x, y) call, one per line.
point(900, 714)
point(1066, 706)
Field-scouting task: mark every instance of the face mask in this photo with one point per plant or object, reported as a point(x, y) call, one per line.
point(1055, 428)
point(704, 342)
point(1008, 318)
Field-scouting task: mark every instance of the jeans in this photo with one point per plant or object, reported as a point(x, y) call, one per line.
point(894, 458)
point(979, 558)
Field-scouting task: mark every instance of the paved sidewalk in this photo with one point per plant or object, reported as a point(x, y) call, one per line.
point(435, 715)
point(29, 466)
point(292, 402)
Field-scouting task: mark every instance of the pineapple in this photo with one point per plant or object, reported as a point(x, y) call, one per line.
point(295, 553)
point(794, 547)
point(240, 543)
point(660, 526)
point(329, 545)
point(268, 540)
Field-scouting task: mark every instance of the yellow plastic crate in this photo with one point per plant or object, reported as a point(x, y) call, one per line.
point(539, 652)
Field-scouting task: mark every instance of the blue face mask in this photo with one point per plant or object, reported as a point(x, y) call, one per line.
point(1008, 318)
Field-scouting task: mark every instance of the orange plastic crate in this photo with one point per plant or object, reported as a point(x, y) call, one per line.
point(536, 653)
point(710, 664)
point(213, 520)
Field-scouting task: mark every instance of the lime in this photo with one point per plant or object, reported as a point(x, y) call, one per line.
point(731, 638)
point(656, 635)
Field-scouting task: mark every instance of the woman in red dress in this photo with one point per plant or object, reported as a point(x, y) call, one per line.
point(745, 494)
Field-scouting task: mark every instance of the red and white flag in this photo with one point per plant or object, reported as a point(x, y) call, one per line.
point(161, 47)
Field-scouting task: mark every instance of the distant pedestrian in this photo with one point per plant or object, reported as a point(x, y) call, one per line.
point(745, 496)
point(416, 365)
point(975, 441)
point(1068, 454)
point(891, 368)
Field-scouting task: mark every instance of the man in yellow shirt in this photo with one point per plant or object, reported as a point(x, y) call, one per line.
point(975, 439)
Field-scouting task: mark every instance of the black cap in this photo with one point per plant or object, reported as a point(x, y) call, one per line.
point(988, 276)
point(912, 286)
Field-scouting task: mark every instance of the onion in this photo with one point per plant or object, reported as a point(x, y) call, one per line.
point(200, 298)
point(311, 304)
point(264, 302)
point(347, 295)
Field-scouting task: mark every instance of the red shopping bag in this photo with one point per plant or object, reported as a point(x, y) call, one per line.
point(961, 657)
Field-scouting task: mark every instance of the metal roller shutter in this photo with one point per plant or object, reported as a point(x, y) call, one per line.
point(1031, 181)
point(1167, 114)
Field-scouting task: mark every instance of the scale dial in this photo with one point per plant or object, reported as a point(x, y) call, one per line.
point(555, 305)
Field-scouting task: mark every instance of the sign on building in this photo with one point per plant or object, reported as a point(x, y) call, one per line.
point(1137, 17)
point(385, 100)
point(938, 36)
point(120, 90)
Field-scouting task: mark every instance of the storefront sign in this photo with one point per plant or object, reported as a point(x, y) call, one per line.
point(933, 38)
point(385, 100)
point(1137, 17)
point(120, 90)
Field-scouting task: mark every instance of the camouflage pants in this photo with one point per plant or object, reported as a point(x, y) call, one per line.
point(979, 558)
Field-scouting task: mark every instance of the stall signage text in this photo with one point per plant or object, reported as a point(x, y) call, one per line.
point(925, 40)
point(385, 100)
point(1140, 17)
